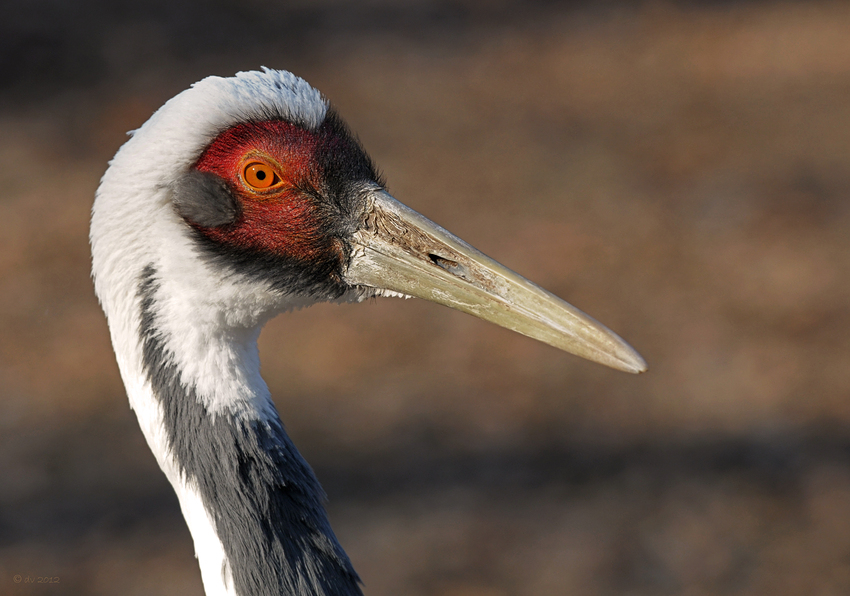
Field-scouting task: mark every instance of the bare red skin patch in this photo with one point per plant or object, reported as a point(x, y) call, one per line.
point(283, 220)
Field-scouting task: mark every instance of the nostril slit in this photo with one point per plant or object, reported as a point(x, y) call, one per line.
point(440, 261)
point(452, 267)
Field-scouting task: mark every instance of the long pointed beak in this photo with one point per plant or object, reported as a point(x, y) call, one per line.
point(398, 250)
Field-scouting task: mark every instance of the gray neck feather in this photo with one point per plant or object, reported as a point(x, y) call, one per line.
point(265, 502)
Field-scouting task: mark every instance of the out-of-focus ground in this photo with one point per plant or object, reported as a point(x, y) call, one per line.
point(679, 171)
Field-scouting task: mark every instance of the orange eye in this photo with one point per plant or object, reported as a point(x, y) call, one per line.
point(259, 175)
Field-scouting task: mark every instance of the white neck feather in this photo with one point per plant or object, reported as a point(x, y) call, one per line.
point(222, 365)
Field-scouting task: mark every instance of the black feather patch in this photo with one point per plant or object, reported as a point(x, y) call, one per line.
point(264, 499)
point(204, 199)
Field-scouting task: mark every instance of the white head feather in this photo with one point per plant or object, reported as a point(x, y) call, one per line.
point(134, 225)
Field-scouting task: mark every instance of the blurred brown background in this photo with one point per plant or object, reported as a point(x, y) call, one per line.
point(678, 170)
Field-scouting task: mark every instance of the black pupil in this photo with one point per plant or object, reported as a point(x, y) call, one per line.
point(261, 175)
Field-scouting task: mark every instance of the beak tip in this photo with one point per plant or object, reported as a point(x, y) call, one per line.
point(634, 364)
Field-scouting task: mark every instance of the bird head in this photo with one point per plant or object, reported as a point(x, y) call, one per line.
point(249, 195)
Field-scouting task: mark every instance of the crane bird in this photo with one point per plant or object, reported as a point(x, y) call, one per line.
point(241, 198)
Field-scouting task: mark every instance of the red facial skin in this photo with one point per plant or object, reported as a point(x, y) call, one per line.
point(284, 219)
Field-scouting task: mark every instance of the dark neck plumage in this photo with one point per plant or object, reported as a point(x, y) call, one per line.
point(263, 499)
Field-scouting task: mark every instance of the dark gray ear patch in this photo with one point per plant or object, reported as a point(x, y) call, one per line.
point(204, 199)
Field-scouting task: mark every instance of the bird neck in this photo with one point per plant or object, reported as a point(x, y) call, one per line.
point(253, 505)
